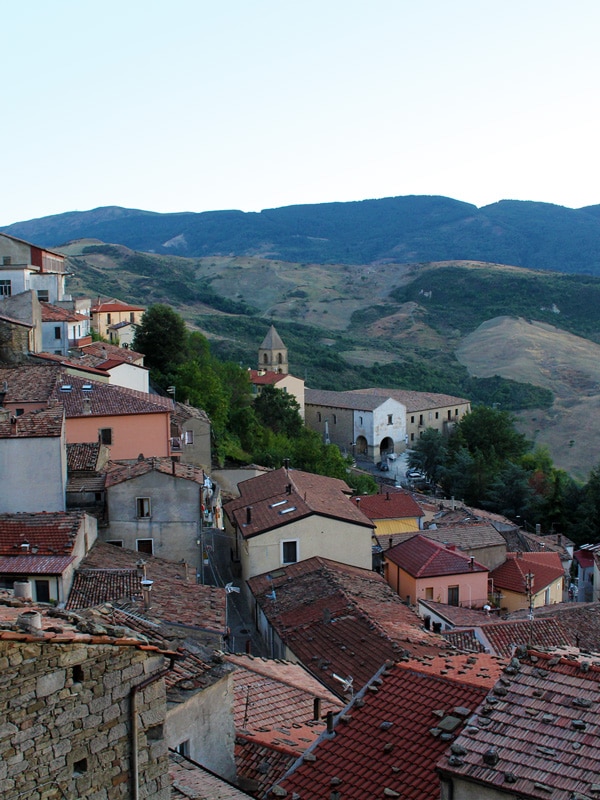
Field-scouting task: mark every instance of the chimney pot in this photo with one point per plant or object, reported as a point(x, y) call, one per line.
point(330, 722)
point(317, 708)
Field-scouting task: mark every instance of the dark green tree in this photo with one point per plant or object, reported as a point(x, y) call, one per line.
point(162, 337)
point(279, 411)
point(429, 454)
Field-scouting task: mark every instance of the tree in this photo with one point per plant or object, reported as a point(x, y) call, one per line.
point(429, 454)
point(162, 337)
point(491, 432)
point(278, 411)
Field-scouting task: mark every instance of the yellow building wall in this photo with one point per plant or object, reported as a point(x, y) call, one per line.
point(317, 536)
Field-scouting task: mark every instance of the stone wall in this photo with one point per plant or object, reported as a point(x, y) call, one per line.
point(66, 720)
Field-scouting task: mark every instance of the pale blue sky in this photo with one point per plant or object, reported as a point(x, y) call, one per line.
point(190, 105)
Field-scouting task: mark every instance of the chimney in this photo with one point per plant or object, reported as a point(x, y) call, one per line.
point(286, 463)
point(317, 708)
point(559, 539)
point(288, 488)
point(87, 405)
point(387, 495)
point(248, 515)
point(472, 562)
point(330, 722)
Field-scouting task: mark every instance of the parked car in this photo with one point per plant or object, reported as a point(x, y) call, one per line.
point(382, 466)
point(392, 456)
point(415, 475)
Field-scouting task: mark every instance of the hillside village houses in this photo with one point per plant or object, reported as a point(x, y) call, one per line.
point(119, 579)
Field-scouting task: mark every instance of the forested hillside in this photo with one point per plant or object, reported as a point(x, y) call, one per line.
point(397, 229)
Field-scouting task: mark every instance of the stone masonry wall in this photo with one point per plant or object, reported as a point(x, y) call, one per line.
point(65, 721)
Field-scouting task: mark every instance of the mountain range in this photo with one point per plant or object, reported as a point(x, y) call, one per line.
point(395, 229)
point(375, 293)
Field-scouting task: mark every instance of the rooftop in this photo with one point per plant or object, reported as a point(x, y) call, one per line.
point(546, 568)
point(190, 780)
point(118, 472)
point(110, 574)
point(401, 724)
point(535, 735)
point(48, 533)
point(388, 505)
point(44, 423)
point(283, 495)
point(339, 619)
point(52, 313)
point(421, 557)
point(414, 401)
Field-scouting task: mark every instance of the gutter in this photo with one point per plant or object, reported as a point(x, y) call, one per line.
point(134, 691)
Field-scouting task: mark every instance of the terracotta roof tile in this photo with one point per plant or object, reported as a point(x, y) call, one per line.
point(390, 739)
point(582, 620)
point(295, 493)
point(52, 313)
point(47, 533)
point(34, 565)
point(421, 557)
point(260, 378)
point(118, 472)
point(274, 701)
point(83, 456)
point(175, 597)
point(45, 423)
point(546, 568)
point(393, 504)
point(114, 305)
point(536, 735)
point(338, 619)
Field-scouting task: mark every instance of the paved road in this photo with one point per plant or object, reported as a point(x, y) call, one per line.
point(244, 637)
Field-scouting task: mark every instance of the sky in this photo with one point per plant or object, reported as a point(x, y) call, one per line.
point(203, 105)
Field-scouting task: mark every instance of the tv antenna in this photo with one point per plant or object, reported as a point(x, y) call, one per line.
point(346, 683)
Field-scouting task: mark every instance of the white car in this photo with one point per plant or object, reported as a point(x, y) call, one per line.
point(415, 475)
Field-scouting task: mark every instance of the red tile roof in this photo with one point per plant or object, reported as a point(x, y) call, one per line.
point(100, 352)
point(114, 305)
point(423, 558)
point(34, 565)
point(83, 456)
point(260, 766)
point(175, 597)
point(388, 743)
point(118, 472)
point(52, 313)
point(47, 533)
point(281, 496)
point(391, 505)
point(537, 734)
point(45, 423)
point(504, 636)
point(582, 620)
point(546, 568)
point(338, 619)
point(44, 384)
point(260, 378)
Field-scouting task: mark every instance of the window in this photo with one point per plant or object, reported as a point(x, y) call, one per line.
point(412, 437)
point(5, 288)
point(412, 420)
point(42, 295)
point(449, 414)
point(390, 419)
point(429, 593)
point(437, 414)
point(456, 412)
point(42, 591)
point(105, 435)
point(360, 420)
point(453, 595)
point(79, 767)
point(131, 316)
point(108, 319)
point(420, 419)
point(143, 507)
point(145, 546)
point(183, 748)
point(188, 437)
point(318, 416)
point(289, 551)
point(6, 261)
point(115, 542)
point(335, 419)
point(57, 332)
point(19, 412)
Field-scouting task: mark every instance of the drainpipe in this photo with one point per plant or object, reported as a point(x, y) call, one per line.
point(133, 693)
